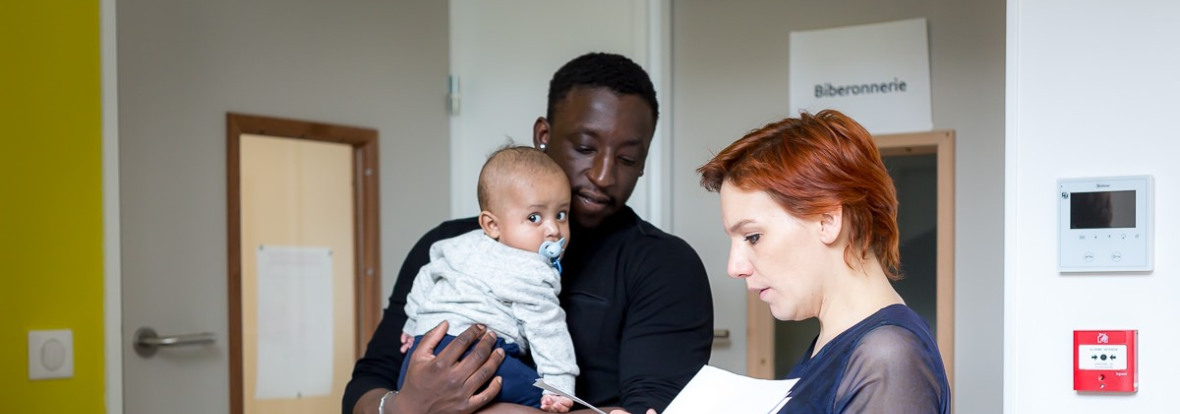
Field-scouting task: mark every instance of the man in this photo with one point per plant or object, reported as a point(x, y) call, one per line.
point(637, 299)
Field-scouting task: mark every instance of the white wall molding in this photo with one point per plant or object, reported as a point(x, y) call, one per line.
point(1011, 214)
point(659, 164)
point(112, 266)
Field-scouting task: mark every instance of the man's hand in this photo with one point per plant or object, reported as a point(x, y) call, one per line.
point(447, 383)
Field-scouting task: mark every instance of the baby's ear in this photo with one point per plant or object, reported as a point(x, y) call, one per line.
point(489, 224)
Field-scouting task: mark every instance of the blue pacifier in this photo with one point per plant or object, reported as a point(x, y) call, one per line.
point(551, 251)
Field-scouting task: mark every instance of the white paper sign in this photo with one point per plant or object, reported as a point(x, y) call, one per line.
point(714, 390)
point(878, 74)
point(294, 322)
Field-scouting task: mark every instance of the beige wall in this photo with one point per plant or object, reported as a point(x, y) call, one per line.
point(182, 65)
point(729, 67)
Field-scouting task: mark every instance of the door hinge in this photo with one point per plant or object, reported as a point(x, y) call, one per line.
point(453, 94)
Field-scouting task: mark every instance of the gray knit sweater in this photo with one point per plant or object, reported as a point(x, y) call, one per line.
point(475, 279)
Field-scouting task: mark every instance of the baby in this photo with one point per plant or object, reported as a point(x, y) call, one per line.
point(507, 276)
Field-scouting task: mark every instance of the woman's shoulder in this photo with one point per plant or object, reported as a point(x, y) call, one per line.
point(896, 368)
point(891, 334)
point(888, 344)
point(891, 329)
point(895, 315)
point(897, 345)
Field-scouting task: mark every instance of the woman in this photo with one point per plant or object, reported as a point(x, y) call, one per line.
point(812, 218)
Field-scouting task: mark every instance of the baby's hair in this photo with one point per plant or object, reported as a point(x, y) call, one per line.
point(512, 162)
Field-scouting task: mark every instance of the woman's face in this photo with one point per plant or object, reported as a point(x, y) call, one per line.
point(779, 255)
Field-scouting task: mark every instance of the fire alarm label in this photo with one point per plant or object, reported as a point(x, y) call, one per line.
point(1105, 358)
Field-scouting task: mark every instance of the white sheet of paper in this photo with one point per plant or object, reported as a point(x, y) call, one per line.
point(714, 390)
point(294, 322)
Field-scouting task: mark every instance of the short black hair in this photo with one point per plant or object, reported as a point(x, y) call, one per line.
point(602, 70)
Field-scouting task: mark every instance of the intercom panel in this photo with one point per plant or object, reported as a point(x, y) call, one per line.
point(1105, 224)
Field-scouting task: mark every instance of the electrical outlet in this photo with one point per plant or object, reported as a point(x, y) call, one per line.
point(51, 354)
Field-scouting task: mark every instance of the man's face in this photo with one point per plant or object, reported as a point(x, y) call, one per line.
point(600, 139)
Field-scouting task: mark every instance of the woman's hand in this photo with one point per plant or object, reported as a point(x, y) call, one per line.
point(447, 383)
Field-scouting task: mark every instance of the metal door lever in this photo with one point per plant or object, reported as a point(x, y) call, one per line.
point(146, 341)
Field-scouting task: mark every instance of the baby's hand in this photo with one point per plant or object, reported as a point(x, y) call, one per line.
point(407, 340)
point(556, 403)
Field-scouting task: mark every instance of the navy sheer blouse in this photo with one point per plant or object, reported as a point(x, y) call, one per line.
point(887, 363)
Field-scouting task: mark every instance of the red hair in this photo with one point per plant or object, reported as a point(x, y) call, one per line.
point(811, 165)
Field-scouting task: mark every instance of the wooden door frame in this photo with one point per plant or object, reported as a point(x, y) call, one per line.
point(941, 143)
point(366, 225)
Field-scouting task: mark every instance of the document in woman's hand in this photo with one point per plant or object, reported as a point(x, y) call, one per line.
point(714, 390)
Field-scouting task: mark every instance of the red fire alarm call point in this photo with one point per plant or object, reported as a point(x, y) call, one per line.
point(1105, 361)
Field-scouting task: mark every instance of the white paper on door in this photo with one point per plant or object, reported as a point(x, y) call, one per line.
point(294, 322)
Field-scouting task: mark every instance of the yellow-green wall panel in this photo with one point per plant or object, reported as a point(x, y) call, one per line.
point(51, 199)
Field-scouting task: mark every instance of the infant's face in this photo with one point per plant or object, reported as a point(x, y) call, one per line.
point(534, 210)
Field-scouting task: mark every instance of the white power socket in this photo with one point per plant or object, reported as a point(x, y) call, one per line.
point(51, 354)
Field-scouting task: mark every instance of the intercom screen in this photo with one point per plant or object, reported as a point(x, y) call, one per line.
point(1102, 210)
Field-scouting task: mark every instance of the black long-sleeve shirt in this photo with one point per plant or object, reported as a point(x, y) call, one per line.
point(637, 303)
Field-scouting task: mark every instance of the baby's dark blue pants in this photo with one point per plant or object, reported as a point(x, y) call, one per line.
point(518, 376)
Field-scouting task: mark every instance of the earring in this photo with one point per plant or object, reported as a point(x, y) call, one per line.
point(541, 147)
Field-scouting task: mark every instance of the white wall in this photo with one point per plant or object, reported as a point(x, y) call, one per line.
point(730, 75)
point(1092, 90)
point(384, 66)
point(182, 65)
point(500, 101)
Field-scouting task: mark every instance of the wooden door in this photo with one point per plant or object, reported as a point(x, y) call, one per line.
point(304, 276)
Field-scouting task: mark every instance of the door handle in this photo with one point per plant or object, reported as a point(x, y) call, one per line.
point(146, 341)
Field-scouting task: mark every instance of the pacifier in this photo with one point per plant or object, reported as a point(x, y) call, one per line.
point(551, 251)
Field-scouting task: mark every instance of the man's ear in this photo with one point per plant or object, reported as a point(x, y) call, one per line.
point(541, 133)
point(830, 225)
point(490, 226)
